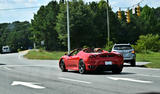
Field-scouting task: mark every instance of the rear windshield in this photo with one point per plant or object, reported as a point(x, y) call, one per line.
point(122, 47)
point(5, 48)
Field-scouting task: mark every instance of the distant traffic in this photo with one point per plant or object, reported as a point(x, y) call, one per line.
point(6, 49)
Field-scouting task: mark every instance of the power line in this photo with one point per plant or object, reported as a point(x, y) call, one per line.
point(129, 6)
point(20, 8)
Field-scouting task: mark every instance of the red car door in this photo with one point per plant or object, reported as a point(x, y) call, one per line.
point(73, 62)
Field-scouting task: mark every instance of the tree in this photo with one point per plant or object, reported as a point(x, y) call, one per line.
point(148, 19)
point(43, 26)
point(3, 34)
point(156, 29)
point(81, 25)
point(16, 35)
point(61, 1)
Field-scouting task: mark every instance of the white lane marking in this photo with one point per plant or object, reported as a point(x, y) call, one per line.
point(27, 84)
point(7, 68)
point(147, 75)
point(129, 79)
point(74, 80)
point(28, 66)
point(19, 56)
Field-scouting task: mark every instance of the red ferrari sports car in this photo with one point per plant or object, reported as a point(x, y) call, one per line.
point(92, 60)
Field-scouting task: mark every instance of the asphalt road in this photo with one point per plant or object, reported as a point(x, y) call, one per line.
point(22, 76)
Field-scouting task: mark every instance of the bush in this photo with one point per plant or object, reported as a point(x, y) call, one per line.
point(42, 49)
point(109, 48)
point(148, 43)
point(19, 50)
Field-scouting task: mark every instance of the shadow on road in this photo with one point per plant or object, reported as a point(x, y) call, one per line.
point(134, 66)
point(2, 64)
point(150, 93)
point(108, 73)
point(102, 73)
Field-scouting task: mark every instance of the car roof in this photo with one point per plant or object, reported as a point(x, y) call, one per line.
point(4, 46)
point(122, 44)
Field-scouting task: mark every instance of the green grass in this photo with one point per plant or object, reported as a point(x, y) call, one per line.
point(44, 55)
point(153, 57)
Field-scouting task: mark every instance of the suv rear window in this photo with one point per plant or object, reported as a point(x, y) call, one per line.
point(122, 47)
point(5, 48)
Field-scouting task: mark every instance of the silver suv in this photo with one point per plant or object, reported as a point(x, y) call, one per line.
point(127, 51)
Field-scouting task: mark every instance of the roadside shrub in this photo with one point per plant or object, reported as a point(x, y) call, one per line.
point(109, 48)
point(42, 49)
point(148, 43)
point(85, 46)
point(18, 50)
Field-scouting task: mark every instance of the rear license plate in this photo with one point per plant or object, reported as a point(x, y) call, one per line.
point(108, 62)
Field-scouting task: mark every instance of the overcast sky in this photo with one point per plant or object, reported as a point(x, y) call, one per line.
point(27, 14)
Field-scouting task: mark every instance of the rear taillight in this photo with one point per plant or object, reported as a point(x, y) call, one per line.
point(133, 52)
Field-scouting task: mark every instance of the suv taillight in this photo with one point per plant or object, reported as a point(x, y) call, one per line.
point(133, 52)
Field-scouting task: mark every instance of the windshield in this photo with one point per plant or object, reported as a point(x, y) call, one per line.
point(122, 47)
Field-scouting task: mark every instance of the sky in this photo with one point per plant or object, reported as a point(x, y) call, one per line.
point(9, 16)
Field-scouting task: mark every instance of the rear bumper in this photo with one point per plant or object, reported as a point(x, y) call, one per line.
point(129, 61)
point(99, 63)
point(102, 67)
point(132, 57)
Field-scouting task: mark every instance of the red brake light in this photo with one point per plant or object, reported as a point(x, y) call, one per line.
point(133, 52)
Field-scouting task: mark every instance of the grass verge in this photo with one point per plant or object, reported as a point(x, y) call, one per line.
point(153, 57)
point(44, 55)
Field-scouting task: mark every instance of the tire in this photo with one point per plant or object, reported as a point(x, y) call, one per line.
point(62, 66)
point(117, 70)
point(133, 63)
point(82, 68)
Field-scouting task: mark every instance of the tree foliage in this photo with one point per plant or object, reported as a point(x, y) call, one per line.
point(88, 27)
point(43, 26)
point(16, 35)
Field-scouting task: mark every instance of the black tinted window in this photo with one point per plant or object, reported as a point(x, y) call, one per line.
point(122, 47)
point(5, 48)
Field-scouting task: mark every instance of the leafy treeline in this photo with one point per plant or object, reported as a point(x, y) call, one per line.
point(16, 35)
point(88, 26)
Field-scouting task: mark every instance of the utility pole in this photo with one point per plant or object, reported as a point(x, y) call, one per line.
point(34, 44)
point(108, 29)
point(68, 26)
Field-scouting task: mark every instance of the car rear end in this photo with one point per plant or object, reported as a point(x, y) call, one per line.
point(5, 49)
point(105, 62)
point(127, 51)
